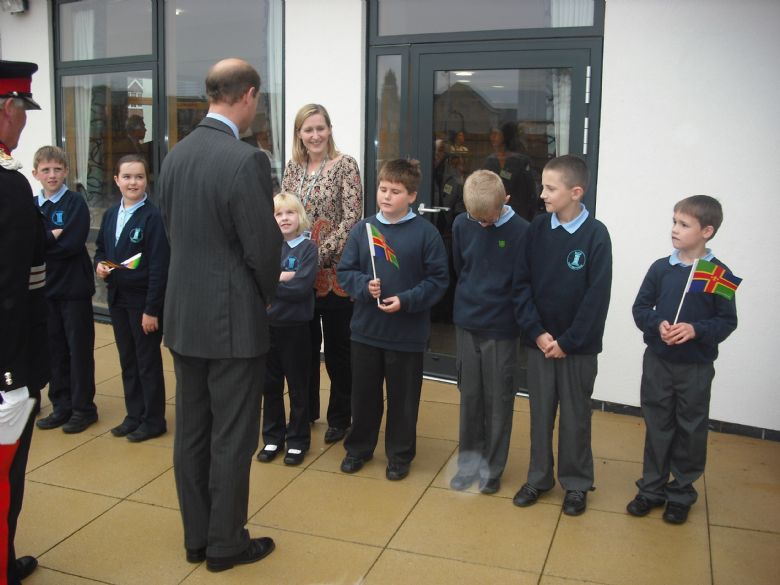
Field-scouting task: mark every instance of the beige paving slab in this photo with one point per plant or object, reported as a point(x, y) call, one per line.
point(51, 514)
point(106, 363)
point(48, 445)
point(432, 455)
point(395, 567)
point(743, 482)
point(439, 392)
point(438, 420)
point(107, 465)
point(617, 436)
point(550, 580)
point(131, 544)
point(622, 550)
point(744, 556)
point(299, 559)
point(110, 387)
point(478, 529)
point(347, 507)
point(46, 576)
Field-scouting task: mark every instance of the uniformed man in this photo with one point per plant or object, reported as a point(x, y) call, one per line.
point(23, 353)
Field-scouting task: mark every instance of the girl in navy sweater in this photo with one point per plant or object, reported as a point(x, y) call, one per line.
point(135, 297)
point(289, 316)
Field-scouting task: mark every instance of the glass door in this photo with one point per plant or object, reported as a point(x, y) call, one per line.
point(507, 111)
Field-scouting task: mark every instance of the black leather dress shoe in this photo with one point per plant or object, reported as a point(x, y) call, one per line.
point(461, 481)
point(141, 434)
point(196, 555)
point(53, 420)
point(676, 513)
point(641, 506)
point(79, 422)
point(25, 566)
point(124, 429)
point(334, 434)
point(258, 548)
point(490, 485)
point(575, 502)
point(527, 496)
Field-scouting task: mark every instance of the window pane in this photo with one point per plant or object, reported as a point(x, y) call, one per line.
point(253, 31)
point(408, 17)
point(96, 29)
point(388, 120)
point(105, 117)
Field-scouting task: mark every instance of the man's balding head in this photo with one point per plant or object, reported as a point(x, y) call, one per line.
point(228, 80)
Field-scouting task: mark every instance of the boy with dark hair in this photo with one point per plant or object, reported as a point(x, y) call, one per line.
point(393, 294)
point(70, 285)
point(677, 369)
point(485, 242)
point(564, 278)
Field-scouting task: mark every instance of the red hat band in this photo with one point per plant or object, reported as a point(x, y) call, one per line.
point(19, 85)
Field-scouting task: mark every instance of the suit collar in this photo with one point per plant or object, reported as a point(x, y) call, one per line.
point(220, 122)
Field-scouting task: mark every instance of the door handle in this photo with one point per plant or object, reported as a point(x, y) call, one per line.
point(422, 209)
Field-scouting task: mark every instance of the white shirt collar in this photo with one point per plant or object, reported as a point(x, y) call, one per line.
point(674, 258)
point(54, 198)
point(382, 219)
point(295, 241)
point(573, 225)
point(224, 120)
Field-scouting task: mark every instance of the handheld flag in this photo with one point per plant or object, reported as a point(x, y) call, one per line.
point(376, 242)
point(131, 263)
point(708, 277)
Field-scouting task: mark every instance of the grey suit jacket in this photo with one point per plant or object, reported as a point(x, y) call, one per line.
point(217, 207)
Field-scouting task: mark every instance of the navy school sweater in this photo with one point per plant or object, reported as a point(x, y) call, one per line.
point(420, 281)
point(713, 317)
point(143, 287)
point(69, 273)
point(294, 300)
point(564, 284)
point(484, 260)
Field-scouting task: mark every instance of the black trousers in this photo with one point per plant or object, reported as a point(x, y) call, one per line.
point(142, 369)
point(71, 333)
point(284, 361)
point(675, 405)
point(335, 314)
point(402, 371)
point(16, 481)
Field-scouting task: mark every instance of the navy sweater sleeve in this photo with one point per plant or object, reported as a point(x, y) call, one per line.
point(525, 310)
point(433, 286)
point(713, 317)
point(351, 276)
point(299, 288)
point(75, 231)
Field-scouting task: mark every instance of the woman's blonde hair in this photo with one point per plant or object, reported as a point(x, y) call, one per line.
point(299, 150)
point(287, 200)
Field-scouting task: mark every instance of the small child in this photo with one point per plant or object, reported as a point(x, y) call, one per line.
point(485, 243)
point(69, 289)
point(677, 368)
point(393, 294)
point(564, 287)
point(289, 316)
point(135, 297)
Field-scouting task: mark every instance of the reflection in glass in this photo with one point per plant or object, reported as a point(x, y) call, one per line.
point(96, 29)
point(388, 119)
point(407, 17)
point(255, 34)
point(105, 117)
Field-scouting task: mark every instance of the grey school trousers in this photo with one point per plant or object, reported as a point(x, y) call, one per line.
point(487, 380)
point(675, 405)
point(567, 382)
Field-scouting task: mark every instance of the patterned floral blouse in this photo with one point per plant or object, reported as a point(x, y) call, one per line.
point(334, 204)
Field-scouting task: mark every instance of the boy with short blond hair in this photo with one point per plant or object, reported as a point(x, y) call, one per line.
point(70, 285)
point(677, 369)
point(485, 243)
point(564, 279)
point(395, 267)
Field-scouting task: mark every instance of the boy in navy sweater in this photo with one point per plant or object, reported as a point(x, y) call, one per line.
point(393, 293)
point(70, 285)
point(565, 278)
point(289, 316)
point(677, 369)
point(485, 242)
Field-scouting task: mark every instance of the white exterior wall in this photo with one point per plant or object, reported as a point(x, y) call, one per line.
point(325, 63)
point(27, 37)
point(689, 106)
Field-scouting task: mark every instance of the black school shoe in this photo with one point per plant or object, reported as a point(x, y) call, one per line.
point(334, 435)
point(489, 485)
point(575, 502)
point(293, 456)
point(25, 566)
point(527, 496)
point(79, 422)
point(352, 464)
point(396, 471)
point(461, 481)
point(258, 548)
point(641, 506)
point(124, 429)
point(676, 513)
point(53, 420)
point(268, 454)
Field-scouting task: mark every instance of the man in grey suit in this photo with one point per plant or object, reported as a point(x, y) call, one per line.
point(216, 203)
